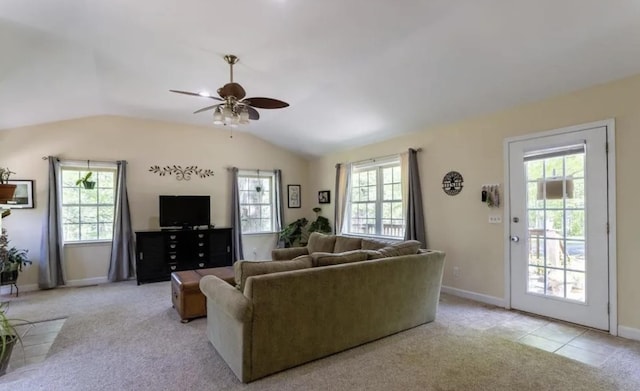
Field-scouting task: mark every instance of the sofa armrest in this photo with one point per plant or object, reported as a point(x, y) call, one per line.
point(226, 297)
point(285, 254)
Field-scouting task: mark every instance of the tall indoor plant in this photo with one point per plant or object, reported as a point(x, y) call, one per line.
point(8, 339)
point(12, 260)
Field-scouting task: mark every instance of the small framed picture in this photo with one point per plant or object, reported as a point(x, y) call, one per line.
point(23, 196)
point(294, 196)
point(324, 197)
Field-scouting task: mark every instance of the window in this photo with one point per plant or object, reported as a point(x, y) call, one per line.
point(87, 214)
point(375, 204)
point(257, 202)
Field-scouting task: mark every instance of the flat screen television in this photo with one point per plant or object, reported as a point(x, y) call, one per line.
point(184, 211)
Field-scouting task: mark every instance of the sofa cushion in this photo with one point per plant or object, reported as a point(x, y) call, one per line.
point(321, 243)
point(328, 259)
point(408, 247)
point(346, 243)
point(246, 269)
point(375, 244)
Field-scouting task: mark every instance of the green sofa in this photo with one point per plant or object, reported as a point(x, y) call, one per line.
point(286, 313)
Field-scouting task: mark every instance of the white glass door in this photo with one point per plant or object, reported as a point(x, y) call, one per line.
point(558, 226)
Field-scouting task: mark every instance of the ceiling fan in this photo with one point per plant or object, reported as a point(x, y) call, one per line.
point(235, 108)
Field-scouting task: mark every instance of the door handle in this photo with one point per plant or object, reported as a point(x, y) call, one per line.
point(515, 239)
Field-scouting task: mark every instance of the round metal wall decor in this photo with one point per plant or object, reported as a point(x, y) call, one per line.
point(452, 183)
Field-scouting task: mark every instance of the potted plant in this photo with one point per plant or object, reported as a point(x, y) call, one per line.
point(86, 181)
point(321, 224)
point(12, 260)
point(292, 233)
point(6, 190)
point(9, 336)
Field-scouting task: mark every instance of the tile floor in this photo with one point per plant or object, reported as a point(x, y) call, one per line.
point(572, 341)
point(37, 338)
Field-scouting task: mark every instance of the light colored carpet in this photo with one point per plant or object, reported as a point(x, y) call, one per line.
point(127, 337)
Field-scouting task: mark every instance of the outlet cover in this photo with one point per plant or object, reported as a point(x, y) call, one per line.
point(495, 219)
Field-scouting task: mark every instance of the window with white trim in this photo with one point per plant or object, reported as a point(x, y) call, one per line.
point(87, 214)
point(374, 205)
point(257, 201)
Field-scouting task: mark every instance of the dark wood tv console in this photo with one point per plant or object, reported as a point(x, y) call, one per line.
point(158, 253)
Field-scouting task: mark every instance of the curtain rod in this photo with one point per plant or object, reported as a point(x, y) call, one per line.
point(79, 161)
point(373, 159)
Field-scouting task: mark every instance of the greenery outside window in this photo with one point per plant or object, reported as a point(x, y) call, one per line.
point(87, 214)
point(375, 205)
point(257, 201)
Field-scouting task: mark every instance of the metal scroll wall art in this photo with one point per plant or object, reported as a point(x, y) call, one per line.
point(452, 183)
point(180, 172)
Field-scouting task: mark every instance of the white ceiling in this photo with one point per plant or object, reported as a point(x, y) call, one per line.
point(354, 71)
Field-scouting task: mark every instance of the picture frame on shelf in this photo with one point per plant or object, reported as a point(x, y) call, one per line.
point(23, 196)
point(324, 197)
point(294, 196)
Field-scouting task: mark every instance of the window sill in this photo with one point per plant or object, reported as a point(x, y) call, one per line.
point(259, 233)
point(88, 243)
point(363, 236)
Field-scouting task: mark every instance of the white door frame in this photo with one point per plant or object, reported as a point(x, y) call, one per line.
point(611, 185)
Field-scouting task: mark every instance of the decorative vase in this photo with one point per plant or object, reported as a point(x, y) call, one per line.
point(6, 192)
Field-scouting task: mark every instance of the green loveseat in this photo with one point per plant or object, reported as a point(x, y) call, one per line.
point(281, 319)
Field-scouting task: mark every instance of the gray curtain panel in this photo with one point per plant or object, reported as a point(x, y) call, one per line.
point(51, 273)
point(279, 205)
point(415, 228)
point(236, 239)
point(337, 215)
point(121, 266)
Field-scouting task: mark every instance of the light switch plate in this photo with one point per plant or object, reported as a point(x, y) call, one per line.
point(495, 219)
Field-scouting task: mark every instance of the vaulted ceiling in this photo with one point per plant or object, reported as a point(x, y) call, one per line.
point(354, 71)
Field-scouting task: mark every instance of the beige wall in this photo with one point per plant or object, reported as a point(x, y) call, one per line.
point(142, 143)
point(459, 226)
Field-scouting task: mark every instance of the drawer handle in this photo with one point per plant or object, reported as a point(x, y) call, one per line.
point(172, 256)
point(172, 236)
point(172, 245)
point(201, 255)
point(201, 264)
point(200, 244)
point(173, 267)
point(200, 236)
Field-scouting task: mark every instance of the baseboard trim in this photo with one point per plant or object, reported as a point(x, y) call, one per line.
point(88, 281)
point(499, 302)
point(629, 333)
point(6, 289)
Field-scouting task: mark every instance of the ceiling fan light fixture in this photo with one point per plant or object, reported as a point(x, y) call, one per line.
point(217, 117)
point(244, 116)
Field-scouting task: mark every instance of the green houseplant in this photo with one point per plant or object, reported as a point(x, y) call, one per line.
point(6, 190)
point(86, 181)
point(321, 224)
point(12, 260)
point(8, 338)
point(292, 233)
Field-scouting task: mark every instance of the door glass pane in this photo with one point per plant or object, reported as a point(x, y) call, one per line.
point(556, 220)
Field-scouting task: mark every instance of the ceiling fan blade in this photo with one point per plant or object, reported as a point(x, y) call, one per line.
point(253, 113)
point(195, 94)
point(205, 109)
point(232, 89)
point(266, 103)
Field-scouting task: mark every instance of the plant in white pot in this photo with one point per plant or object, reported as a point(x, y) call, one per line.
point(6, 190)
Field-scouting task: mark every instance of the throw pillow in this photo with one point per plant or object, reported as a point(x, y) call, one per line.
point(246, 269)
point(407, 247)
point(321, 243)
point(328, 259)
point(345, 243)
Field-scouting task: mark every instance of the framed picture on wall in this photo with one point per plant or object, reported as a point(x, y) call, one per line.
point(324, 197)
point(293, 195)
point(23, 196)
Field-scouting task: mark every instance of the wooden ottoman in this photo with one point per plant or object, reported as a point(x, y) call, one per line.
point(185, 290)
